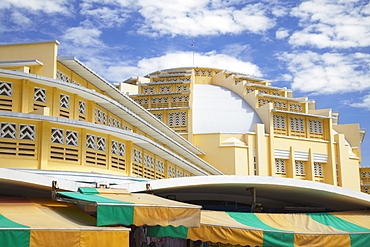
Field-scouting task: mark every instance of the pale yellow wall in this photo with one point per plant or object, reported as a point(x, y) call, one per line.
point(221, 158)
point(43, 52)
point(352, 135)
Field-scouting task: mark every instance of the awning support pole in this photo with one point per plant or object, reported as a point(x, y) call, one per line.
point(255, 207)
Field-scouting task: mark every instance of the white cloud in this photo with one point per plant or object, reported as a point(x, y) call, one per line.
point(282, 33)
point(328, 73)
point(120, 71)
point(46, 6)
point(332, 23)
point(83, 36)
point(19, 18)
point(238, 50)
point(201, 17)
point(106, 13)
point(364, 104)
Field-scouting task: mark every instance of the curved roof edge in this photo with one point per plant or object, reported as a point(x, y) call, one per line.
point(287, 190)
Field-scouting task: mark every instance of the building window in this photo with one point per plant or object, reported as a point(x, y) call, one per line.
point(280, 104)
point(72, 138)
point(82, 107)
point(62, 77)
point(100, 116)
point(122, 149)
point(315, 126)
point(101, 144)
point(299, 168)
point(295, 107)
point(181, 87)
point(137, 156)
point(114, 147)
point(39, 95)
point(264, 91)
point(118, 148)
point(176, 118)
point(185, 79)
point(8, 130)
point(279, 122)
point(318, 169)
point(6, 88)
point(159, 166)
point(263, 101)
point(165, 88)
point(90, 141)
point(366, 189)
point(179, 173)
point(64, 101)
point(57, 136)
point(114, 122)
point(249, 90)
point(171, 171)
point(148, 89)
point(276, 93)
point(280, 166)
point(27, 132)
point(149, 161)
point(180, 98)
point(297, 123)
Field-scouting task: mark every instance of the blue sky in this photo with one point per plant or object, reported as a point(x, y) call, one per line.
point(319, 48)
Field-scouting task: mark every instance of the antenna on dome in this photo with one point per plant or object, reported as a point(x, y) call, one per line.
point(193, 45)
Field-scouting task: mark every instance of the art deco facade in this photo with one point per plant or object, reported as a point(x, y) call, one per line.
point(57, 114)
point(246, 126)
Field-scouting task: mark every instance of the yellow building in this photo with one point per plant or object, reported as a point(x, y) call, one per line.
point(219, 139)
point(246, 126)
point(57, 114)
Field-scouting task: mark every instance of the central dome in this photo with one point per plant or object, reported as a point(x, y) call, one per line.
point(219, 110)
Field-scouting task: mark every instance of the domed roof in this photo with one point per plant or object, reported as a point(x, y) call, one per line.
point(219, 110)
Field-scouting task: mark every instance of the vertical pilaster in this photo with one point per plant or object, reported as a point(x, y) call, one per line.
point(261, 151)
point(26, 100)
point(310, 172)
point(129, 147)
point(290, 169)
point(44, 144)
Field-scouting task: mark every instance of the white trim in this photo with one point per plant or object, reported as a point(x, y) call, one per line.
point(32, 43)
point(284, 98)
point(303, 114)
point(20, 63)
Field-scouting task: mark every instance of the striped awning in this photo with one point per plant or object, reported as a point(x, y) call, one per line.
point(115, 207)
point(43, 222)
point(270, 229)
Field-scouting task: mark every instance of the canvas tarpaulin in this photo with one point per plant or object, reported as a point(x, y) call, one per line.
point(116, 207)
point(28, 222)
point(270, 229)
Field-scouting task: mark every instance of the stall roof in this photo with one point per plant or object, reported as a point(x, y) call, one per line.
point(120, 207)
point(261, 229)
point(42, 222)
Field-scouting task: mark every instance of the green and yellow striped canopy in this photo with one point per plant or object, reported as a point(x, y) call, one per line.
point(42, 222)
point(276, 229)
point(117, 207)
